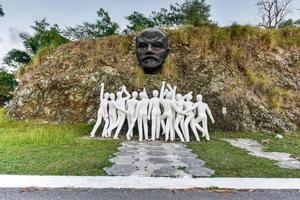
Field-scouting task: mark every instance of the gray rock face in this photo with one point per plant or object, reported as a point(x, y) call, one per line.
point(169, 160)
point(284, 160)
point(260, 93)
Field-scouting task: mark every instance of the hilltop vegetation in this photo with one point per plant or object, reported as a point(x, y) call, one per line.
point(252, 72)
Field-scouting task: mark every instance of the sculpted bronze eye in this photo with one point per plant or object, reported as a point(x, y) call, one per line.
point(158, 45)
point(143, 45)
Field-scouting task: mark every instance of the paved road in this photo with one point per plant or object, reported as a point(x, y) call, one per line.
point(131, 194)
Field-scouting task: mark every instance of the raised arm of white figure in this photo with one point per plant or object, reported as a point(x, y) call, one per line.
point(185, 96)
point(165, 93)
point(126, 92)
point(173, 90)
point(162, 90)
point(101, 91)
point(145, 92)
point(209, 114)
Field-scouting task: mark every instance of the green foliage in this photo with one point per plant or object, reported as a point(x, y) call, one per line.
point(7, 85)
point(1, 11)
point(15, 57)
point(138, 22)
point(103, 26)
point(289, 23)
point(193, 12)
point(44, 36)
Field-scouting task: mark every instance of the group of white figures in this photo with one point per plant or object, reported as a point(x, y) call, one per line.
point(172, 112)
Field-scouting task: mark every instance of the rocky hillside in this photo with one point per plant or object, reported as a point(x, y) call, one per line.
point(254, 73)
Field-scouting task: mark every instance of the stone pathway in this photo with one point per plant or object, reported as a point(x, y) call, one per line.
point(255, 149)
point(157, 159)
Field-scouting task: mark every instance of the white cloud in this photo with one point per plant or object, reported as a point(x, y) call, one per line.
point(14, 35)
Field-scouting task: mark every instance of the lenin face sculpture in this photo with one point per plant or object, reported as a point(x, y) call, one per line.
point(152, 48)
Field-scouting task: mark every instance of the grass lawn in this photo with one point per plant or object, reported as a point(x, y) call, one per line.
point(32, 148)
point(229, 161)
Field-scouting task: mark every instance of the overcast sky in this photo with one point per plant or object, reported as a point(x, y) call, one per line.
point(20, 14)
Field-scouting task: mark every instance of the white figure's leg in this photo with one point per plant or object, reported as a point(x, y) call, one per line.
point(157, 126)
point(167, 128)
point(130, 130)
point(121, 123)
point(112, 121)
point(163, 125)
point(172, 130)
point(132, 124)
point(204, 124)
point(145, 125)
point(140, 127)
point(96, 126)
point(104, 131)
point(182, 125)
point(193, 127)
point(128, 120)
point(153, 128)
point(177, 130)
point(186, 128)
point(114, 125)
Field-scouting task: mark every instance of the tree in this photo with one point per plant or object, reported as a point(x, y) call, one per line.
point(44, 36)
point(1, 11)
point(103, 26)
point(273, 12)
point(7, 85)
point(192, 12)
point(138, 22)
point(15, 57)
point(162, 18)
point(289, 23)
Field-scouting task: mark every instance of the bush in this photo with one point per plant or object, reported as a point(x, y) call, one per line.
point(7, 85)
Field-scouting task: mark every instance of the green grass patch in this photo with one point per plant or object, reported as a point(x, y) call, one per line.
point(28, 147)
point(229, 161)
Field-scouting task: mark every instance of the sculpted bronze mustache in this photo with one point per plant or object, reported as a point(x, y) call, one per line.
point(152, 47)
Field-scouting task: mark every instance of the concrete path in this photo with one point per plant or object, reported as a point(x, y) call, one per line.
point(157, 159)
point(284, 160)
point(102, 182)
point(132, 194)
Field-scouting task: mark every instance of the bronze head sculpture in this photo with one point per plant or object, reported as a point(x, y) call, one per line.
point(152, 48)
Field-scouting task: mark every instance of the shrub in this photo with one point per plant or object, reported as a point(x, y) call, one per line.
point(7, 85)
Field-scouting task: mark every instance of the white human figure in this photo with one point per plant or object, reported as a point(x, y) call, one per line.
point(190, 119)
point(141, 116)
point(162, 94)
point(112, 113)
point(131, 107)
point(120, 105)
point(168, 115)
point(202, 109)
point(102, 112)
point(179, 120)
point(155, 114)
point(177, 112)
